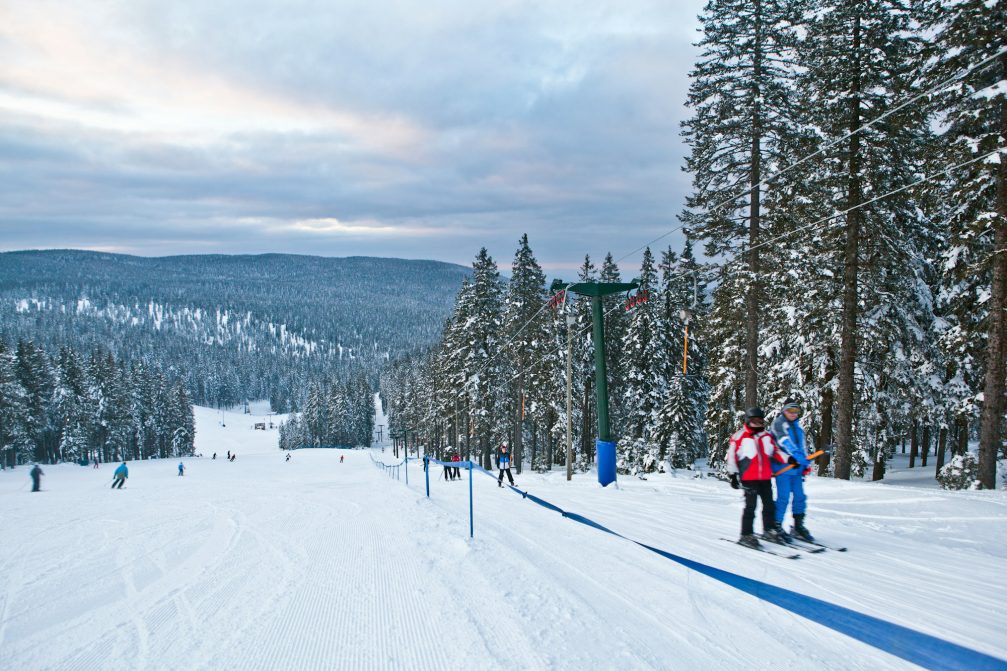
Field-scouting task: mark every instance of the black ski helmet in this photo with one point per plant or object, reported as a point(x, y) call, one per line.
point(754, 411)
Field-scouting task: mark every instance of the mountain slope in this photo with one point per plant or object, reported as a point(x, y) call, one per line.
point(240, 326)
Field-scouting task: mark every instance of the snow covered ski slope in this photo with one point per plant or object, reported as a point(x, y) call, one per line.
point(316, 564)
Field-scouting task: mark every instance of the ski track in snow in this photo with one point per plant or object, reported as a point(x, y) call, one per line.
point(313, 564)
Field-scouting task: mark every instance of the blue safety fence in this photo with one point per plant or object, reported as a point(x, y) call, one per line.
point(468, 465)
point(391, 470)
point(914, 646)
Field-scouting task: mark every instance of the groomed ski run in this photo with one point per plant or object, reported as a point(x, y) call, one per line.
point(316, 564)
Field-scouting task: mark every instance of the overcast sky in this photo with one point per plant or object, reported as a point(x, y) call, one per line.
point(344, 127)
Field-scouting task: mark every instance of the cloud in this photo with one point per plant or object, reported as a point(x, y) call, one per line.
point(376, 127)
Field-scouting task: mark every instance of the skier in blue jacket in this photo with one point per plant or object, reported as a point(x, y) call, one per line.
point(181, 469)
point(119, 478)
point(789, 435)
point(503, 463)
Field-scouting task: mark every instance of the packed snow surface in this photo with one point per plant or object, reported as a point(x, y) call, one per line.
point(317, 564)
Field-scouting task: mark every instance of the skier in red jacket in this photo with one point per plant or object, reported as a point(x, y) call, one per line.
point(748, 459)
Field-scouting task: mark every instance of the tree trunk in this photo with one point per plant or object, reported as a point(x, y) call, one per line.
point(991, 421)
point(963, 436)
point(752, 299)
point(549, 451)
point(925, 447)
point(942, 444)
point(825, 437)
point(914, 448)
point(534, 443)
point(879, 464)
point(848, 339)
point(517, 449)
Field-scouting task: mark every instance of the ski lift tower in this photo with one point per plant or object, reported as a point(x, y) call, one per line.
point(605, 447)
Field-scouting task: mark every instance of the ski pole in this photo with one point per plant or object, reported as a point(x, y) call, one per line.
point(811, 457)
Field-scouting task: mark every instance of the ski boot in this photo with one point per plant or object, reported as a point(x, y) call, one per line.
point(749, 541)
point(784, 536)
point(773, 536)
point(801, 531)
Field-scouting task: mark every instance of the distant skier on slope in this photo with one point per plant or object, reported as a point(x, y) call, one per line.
point(750, 454)
point(456, 472)
point(181, 469)
point(120, 475)
point(288, 457)
point(786, 428)
point(234, 456)
point(214, 456)
point(340, 458)
point(36, 478)
point(503, 463)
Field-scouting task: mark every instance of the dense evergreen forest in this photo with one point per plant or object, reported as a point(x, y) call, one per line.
point(235, 327)
point(849, 164)
point(122, 338)
point(64, 406)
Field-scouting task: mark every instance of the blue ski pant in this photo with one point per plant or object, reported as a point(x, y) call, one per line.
point(787, 484)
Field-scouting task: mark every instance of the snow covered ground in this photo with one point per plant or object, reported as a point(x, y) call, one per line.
point(317, 564)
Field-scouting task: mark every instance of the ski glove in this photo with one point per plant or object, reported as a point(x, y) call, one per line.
point(734, 481)
point(792, 461)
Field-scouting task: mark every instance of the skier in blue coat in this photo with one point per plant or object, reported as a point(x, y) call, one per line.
point(181, 469)
point(119, 478)
point(503, 463)
point(789, 435)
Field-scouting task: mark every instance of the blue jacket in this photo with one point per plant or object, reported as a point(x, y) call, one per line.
point(122, 471)
point(790, 437)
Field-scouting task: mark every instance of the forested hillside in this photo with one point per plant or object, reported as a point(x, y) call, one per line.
point(231, 327)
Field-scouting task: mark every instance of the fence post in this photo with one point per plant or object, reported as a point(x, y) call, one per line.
point(406, 462)
point(471, 526)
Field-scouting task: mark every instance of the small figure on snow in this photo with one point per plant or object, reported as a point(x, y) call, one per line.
point(503, 463)
point(749, 459)
point(36, 478)
point(214, 456)
point(120, 475)
point(228, 455)
point(340, 458)
point(234, 456)
point(449, 472)
point(288, 457)
point(95, 464)
point(456, 471)
point(789, 435)
point(181, 469)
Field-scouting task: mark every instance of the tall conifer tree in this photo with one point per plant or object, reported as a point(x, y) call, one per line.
point(741, 96)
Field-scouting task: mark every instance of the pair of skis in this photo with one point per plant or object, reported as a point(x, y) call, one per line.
point(773, 548)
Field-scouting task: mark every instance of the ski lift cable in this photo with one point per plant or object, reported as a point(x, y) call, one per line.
point(840, 213)
point(741, 253)
point(951, 80)
point(978, 66)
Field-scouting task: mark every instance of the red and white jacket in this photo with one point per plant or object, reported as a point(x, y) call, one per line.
point(750, 454)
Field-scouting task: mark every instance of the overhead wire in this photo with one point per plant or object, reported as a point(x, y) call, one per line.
point(765, 181)
point(951, 80)
point(739, 254)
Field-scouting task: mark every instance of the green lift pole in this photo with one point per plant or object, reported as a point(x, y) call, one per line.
point(596, 290)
